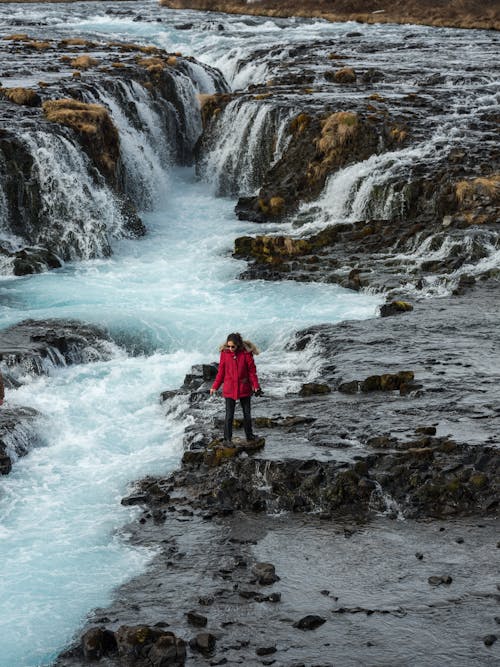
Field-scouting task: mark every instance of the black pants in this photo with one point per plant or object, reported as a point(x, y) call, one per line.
point(247, 418)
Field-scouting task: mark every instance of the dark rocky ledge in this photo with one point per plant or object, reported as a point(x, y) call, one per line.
point(35, 347)
point(371, 509)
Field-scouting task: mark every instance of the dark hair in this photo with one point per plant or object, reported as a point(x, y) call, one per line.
point(236, 339)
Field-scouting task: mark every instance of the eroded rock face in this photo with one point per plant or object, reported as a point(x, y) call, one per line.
point(34, 348)
point(60, 142)
point(318, 147)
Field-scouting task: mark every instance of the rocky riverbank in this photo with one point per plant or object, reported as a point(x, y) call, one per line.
point(33, 348)
point(59, 141)
point(363, 527)
point(393, 451)
point(451, 13)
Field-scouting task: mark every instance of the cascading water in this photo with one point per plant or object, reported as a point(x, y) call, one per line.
point(168, 298)
point(79, 215)
point(250, 138)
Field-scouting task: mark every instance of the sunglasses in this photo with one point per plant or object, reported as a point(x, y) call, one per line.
point(232, 347)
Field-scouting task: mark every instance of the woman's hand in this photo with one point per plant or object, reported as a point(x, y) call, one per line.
point(212, 391)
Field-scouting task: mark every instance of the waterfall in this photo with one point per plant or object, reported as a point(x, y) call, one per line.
point(376, 188)
point(144, 147)
point(79, 212)
point(246, 142)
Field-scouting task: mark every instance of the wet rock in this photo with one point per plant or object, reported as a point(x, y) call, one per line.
point(344, 75)
point(265, 573)
point(196, 619)
point(395, 308)
point(313, 389)
point(351, 387)
point(437, 580)
point(309, 622)
point(97, 643)
point(489, 640)
point(266, 650)
point(142, 646)
point(203, 643)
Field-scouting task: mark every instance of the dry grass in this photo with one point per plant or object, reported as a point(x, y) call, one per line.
point(19, 37)
point(76, 41)
point(482, 187)
point(451, 13)
point(336, 131)
point(22, 96)
point(83, 62)
point(86, 118)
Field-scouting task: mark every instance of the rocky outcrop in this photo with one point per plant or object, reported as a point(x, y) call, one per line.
point(18, 435)
point(239, 535)
point(35, 348)
point(318, 147)
point(60, 141)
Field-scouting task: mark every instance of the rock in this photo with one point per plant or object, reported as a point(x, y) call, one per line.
point(206, 600)
point(194, 618)
point(351, 387)
point(345, 75)
point(265, 573)
point(203, 643)
point(266, 650)
point(438, 580)
point(314, 388)
point(309, 622)
point(395, 308)
point(419, 555)
point(142, 646)
point(97, 643)
point(489, 640)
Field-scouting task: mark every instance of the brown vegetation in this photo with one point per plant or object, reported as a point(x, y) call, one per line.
point(83, 62)
point(93, 123)
point(451, 13)
point(22, 96)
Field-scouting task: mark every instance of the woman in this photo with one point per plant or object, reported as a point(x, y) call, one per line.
point(238, 374)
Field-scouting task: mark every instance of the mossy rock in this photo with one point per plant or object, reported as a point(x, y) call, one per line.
point(314, 388)
point(395, 308)
point(193, 456)
point(371, 383)
point(216, 455)
point(478, 480)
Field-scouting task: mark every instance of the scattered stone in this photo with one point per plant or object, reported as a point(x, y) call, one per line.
point(266, 650)
point(437, 580)
point(426, 430)
point(460, 540)
point(150, 644)
point(395, 308)
point(314, 388)
point(204, 643)
point(419, 555)
point(97, 643)
point(489, 640)
point(205, 600)
point(265, 573)
point(309, 622)
point(351, 387)
point(196, 619)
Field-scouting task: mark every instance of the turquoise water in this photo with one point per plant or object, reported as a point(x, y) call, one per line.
point(169, 298)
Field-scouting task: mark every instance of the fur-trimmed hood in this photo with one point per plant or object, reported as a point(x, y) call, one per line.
point(248, 346)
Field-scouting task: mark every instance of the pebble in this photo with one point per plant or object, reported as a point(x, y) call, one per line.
point(489, 640)
point(309, 622)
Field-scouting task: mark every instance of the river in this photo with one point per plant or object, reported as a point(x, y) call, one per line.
point(169, 299)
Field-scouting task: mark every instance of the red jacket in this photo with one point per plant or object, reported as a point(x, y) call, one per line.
point(238, 373)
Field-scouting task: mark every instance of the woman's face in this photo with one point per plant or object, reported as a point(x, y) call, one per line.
point(231, 345)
